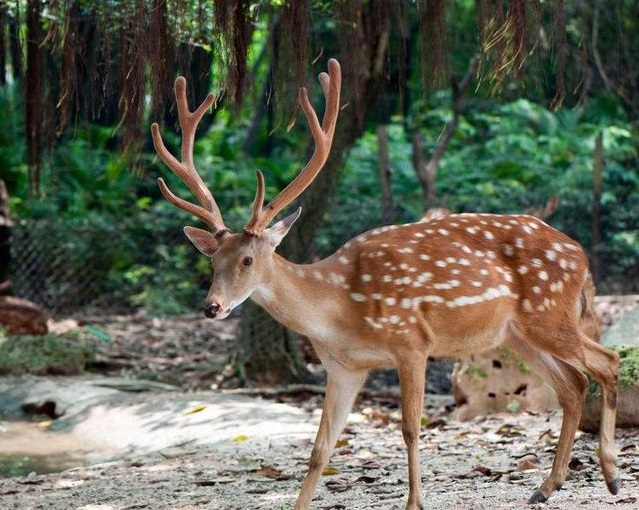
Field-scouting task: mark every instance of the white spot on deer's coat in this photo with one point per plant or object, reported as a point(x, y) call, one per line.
point(419, 234)
point(443, 231)
point(432, 299)
point(483, 272)
point(406, 303)
point(405, 250)
point(536, 263)
point(377, 296)
point(488, 235)
point(412, 319)
point(536, 289)
point(387, 278)
point(372, 323)
point(366, 278)
point(563, 263)
point(442, 286)
point(424, 277)
point(440, 263)
point(360, 298)
point(390, 301)
point(527, 305)
point(527, 229)
point(451, 260)
point(551, 255)
point(508, 250)
point(522, 269)
point(343, 260)
point(543, 275)
point(394, 319)
point(519, 242)
point(476, 284)
point(472, 230)
point(455, 271)
point(318, 275)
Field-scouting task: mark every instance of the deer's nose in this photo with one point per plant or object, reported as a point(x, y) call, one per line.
point(211, 310)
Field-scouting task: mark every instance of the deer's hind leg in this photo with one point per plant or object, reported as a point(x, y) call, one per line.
point(570, 385)
point(564, 343)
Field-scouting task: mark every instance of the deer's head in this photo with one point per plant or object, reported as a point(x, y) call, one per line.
point(243, 261)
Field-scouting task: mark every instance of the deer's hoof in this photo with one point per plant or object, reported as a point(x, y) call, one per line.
point(537, 497)
point(614, 485)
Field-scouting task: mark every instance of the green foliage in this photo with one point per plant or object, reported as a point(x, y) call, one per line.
point(628, 370)
point(44, 355)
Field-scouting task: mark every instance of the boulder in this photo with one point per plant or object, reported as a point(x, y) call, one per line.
point(628, 393)
point(22, 317)
point(624, 331)
point(498, 381)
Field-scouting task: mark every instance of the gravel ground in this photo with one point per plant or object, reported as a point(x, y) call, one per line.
point(495, 463)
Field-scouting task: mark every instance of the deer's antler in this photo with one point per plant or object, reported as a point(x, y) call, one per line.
point(323, 135)
point(207, 211)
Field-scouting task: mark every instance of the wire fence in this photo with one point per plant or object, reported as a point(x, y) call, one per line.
point(97, 266)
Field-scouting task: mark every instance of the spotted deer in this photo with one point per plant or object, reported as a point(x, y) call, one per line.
point(452, 286)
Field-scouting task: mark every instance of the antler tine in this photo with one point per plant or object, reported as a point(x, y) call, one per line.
point(323, 136)
point(208, 212)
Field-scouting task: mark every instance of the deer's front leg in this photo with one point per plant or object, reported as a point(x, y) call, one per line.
point(341, 389)
point(412, 377)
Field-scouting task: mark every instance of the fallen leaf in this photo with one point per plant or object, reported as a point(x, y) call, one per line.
point(367, 479)
point(340, 443)
point(631, 499)
point(269, 472)
point(196, 409)
point(214, 481)
point(527, 462)
point(44, 424)
point(337, 485)
point(576, 465)
point(257, 490)
point(330, 471)
point(370, 464)
point(239, 438)
point(483, 470)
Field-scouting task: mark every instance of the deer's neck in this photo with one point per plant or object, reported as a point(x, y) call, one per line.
point(305, 298)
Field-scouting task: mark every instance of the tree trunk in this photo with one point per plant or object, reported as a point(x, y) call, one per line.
point(3, 44)
point(597, 184)
point(385, 173)
point(15, 48)
point(34, 91)
point(5, 239)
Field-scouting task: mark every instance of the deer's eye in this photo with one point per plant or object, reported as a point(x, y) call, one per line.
point(247, 261)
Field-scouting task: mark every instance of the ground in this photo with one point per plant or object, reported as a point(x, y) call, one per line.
point(204, 449)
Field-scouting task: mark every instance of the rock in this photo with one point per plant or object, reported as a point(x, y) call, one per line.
point(498, 381)
point(628, 391)
point(22, 317)
point(625, 331)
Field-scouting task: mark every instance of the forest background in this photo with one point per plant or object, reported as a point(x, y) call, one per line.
point(540, 99)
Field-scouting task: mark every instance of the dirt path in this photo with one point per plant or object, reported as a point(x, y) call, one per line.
point(255, 460)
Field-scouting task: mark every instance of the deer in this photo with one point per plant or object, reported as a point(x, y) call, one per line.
point(395, 295)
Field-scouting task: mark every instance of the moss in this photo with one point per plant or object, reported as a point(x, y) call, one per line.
point(628, 370)
point(476, 373)
point(44, 355)
point(509, 357)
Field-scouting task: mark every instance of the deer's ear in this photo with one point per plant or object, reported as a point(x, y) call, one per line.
point(277, 232)
point(203, 240)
